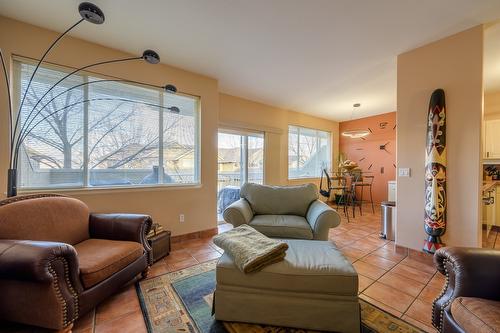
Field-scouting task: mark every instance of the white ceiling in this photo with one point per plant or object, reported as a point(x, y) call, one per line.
point(313, 56)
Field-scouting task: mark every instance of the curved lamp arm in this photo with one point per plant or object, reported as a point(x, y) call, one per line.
point(173, 109)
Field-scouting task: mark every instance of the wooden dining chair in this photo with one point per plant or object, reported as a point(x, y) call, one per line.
point(337, 183)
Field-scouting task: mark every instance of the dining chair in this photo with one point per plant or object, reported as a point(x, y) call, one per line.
point(337, 182)
point(363, 181)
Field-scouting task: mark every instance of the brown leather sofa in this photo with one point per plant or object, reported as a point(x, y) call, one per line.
point(470, 300)
point(58, 261)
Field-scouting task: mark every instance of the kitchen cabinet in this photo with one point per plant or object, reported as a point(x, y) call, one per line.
point(492, 139)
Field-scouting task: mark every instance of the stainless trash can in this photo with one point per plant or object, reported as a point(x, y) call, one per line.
point(388, 220)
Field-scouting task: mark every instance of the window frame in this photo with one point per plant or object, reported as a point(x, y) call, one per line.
point(19, 60)
point(318, 138)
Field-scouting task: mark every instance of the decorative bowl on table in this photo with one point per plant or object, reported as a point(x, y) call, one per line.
point(348, 165)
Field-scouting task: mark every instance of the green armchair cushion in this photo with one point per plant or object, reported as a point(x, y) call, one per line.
point(279, 200)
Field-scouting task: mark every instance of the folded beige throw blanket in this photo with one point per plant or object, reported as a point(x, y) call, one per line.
point(250, 250)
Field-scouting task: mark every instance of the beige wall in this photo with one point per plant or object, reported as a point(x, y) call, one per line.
point(454, 64)
point(197, 203)
point(237, 112)
point(164, 204)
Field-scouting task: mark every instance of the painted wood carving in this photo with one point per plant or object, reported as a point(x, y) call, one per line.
point(435, 173)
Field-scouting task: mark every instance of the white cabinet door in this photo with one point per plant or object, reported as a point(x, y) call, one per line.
point(492, 138)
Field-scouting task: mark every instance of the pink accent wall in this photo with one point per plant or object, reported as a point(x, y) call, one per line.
point(367, 152)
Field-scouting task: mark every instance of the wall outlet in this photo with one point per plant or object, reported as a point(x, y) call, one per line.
point(181, 218)
point(404, 172)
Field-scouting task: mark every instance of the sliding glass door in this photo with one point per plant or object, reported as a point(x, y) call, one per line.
point(240, 160)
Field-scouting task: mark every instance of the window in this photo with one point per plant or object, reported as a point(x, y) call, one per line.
point(104, 134)
point(309, 151)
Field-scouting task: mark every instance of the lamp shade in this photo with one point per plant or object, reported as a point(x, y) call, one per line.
point(91, 13)
point(170, 88)
point(151, 57)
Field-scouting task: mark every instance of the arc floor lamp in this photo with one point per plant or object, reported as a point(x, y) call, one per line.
point(18, 133)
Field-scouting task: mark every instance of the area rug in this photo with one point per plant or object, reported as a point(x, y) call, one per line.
point(181, 301)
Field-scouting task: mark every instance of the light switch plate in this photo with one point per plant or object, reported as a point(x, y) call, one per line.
point(404, 172)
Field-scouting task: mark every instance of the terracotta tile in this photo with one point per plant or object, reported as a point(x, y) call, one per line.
point(364, 246)
point(379, 261)
point(438, 281)
point(118, 305)
point(347, 237)
point(419, 265)
point(412, 273)
point(429, 294)
point(340, 243)
point(175, 246)
point(381, 305)
point(364, 282)
point(130, 323)
point(389, 296)
point(159, 268)
point(421, 256)
point(182, 264)
point(202, 257)
point(350, 258)
point(389, 254)
point(196, 250)
point(338, 230)
point(376, 241)
point(85, 322)
point(359, 233)
point(421, 311)
point(368, 270)
point(416, 323)
point(197, 243)
point(402, 283)
point(177, 255)
point(353, 252)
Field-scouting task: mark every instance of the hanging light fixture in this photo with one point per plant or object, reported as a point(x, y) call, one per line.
point(355, 133)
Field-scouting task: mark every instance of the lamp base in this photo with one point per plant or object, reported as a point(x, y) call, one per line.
point(11, 183)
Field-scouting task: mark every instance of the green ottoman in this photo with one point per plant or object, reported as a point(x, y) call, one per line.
point(315, 288)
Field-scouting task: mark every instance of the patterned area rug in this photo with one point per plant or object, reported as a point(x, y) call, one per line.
point(181, 301)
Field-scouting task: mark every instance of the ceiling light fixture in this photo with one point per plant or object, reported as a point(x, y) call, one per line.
point(355, 133)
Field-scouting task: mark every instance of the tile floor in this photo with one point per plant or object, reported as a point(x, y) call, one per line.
point(492, 239)
point(401, 284)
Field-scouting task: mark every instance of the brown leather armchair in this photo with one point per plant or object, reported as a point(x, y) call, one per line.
point(58, 261)
point(470, 300)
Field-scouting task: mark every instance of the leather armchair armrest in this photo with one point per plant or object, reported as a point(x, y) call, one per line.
point(50, 273)
point(33, 260)
point(470, 272)
point(321, 218)
point(125, 227)
point(238, 213)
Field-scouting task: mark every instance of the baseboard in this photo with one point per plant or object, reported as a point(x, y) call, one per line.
point(195, 235)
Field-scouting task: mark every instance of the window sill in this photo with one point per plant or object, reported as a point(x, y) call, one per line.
point(304, 178)
point(121, 189)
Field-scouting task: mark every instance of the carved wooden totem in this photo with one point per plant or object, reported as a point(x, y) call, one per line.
point(435, 172)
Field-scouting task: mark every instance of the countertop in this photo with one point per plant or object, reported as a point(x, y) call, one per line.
point(489, 184)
